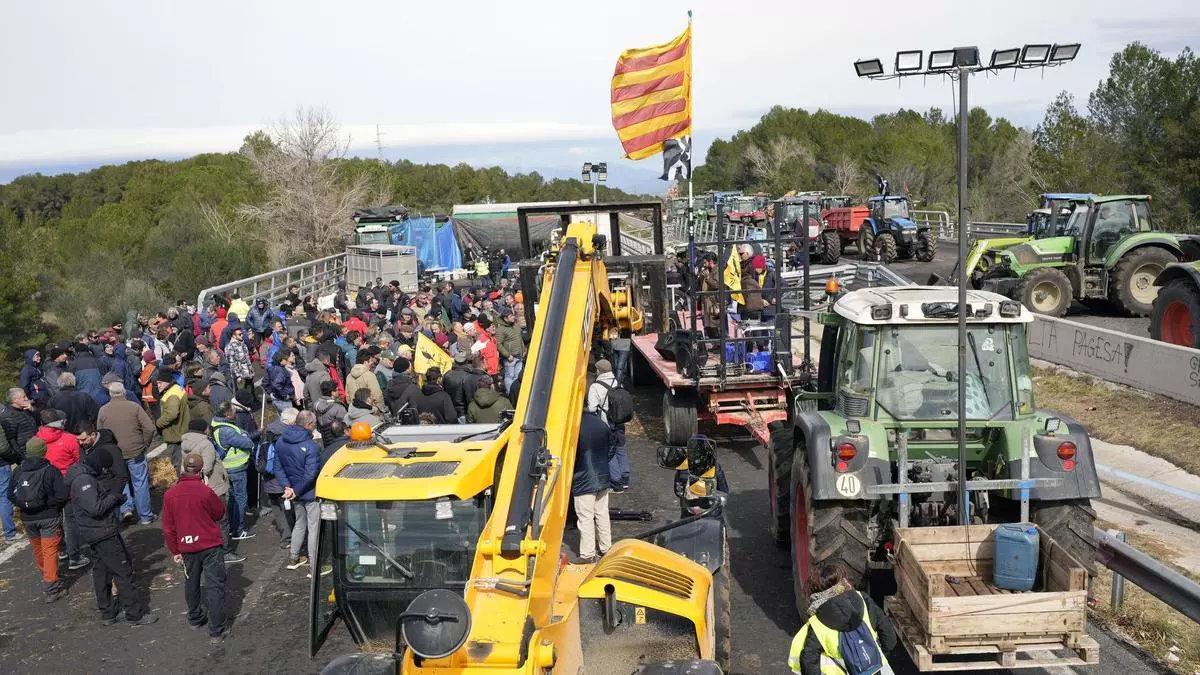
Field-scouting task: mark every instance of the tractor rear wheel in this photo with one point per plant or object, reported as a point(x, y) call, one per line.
point(926, 246)
point(831, 247)
point(1070, 524)
point(885, 248)
point(1132, 288)
point(1176, 316)
point(825, 532)
point(779, 477)
point(723, 613)
point(679, 417)
point(1045, 291)
point(866, 243)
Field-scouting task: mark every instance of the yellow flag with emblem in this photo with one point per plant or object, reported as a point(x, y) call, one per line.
point(733, 276)
point(430, 355)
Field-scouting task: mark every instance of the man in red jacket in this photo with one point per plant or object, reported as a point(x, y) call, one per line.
point(191, 516)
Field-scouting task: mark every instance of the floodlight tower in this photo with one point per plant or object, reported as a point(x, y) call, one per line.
point(597, 169)
point(959, 64)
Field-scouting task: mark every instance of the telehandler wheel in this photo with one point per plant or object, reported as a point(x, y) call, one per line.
point(679, 417)
point(723, 614)
point(779, 477)
point(1069, 523)
point(1176, 317)
point(1045, 291)
point(885, 248)
point(866, 243)
point(831, 247)
point(926, 246)
point(825, 532)
point(1132, 288)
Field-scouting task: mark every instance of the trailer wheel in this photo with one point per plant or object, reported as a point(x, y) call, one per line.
point(1176, 317)
point(1133, 289)
point(825, 532)
point(1070, 524)
point(885, 248)
point(831, 247)
point(723, 614)
point(779, 476)
point(866, 243)
point(926, 246)
point(679, 417)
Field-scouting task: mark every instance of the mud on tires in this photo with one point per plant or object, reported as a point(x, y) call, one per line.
point(885, 248)
point(1132, 284)
point(1070, 524)
point(779, 468)
point(926, 245)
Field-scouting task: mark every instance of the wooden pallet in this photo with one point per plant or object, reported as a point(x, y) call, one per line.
point(1001, 650)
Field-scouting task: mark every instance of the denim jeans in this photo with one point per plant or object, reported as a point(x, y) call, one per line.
point(6, 507)
point(137, 492)
point(512, 370)
point(621, 366)
point(237, 502)
point(618, 460)
point(207, 565)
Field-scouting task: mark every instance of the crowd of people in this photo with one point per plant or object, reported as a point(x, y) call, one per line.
point(755, 293)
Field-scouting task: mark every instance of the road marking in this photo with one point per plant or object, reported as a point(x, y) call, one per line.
point(11, 549)
point(258, 586)
point(1142, 480)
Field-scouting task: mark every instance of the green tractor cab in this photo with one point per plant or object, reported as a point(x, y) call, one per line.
point(1044, 222)
point(1108, 250)
point(1176, 315)
point(876, 445)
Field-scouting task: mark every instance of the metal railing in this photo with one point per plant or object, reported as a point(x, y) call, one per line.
point(316, 278)
point(939, 221)
point(1126, 562)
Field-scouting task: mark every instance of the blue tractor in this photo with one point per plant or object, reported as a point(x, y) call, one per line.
point(889, 232)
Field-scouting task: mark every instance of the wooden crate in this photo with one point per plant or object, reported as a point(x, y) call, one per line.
point(947, 604)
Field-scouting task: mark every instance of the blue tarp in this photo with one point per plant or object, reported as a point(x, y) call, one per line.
point(435, 242)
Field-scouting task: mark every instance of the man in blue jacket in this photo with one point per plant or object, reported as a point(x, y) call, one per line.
point(235, 448)
point(590, 487)
point(300, 458)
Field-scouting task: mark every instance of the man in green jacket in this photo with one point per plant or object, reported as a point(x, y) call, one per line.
point(511, 346)
point(174, 417)
point(487, 403)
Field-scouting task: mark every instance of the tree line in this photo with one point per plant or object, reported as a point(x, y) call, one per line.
point(1139, 133)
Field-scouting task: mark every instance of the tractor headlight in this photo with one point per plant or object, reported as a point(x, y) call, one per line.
point(1010, 309)
point(881, 312)
point(328, 511)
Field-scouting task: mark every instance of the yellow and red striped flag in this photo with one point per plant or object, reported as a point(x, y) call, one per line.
point(652, 95)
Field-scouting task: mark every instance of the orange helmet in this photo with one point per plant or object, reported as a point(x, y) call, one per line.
point(361, 432)
point(519, 297)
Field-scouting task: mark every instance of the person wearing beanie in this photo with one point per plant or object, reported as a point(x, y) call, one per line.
point(597, 402)
point(95, 512)
point(173, 416)
point(191, 527)
point(402, 380)
point(487, 404)
point(40, 493)
point(461, 382)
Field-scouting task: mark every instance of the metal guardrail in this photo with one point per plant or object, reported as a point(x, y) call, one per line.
point(1177, 591)
point(938, 221)
point(316, 277)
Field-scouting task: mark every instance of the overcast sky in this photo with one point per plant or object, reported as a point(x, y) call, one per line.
point(521, 84)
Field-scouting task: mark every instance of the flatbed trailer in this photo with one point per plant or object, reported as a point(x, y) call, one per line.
point(950, 616)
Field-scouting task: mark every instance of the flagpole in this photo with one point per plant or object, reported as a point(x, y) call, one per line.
point(691, 213)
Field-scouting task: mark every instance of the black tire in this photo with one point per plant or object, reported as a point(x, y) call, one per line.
point(1070, 523)
point(831, 247)
point(1131, 285)
point(1045, 291)
point(835, 532)
point(1176, 315)
point(679, 417)
point(779, 474)
point(723, 614)
point(866, 243)
point(926, 246)
point(885, 248)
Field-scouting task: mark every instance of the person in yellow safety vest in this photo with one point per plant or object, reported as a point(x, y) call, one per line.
point(234, 447)
point(481, 267)
point(835, 608)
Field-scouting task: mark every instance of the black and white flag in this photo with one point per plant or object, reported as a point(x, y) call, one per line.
point(677, 158)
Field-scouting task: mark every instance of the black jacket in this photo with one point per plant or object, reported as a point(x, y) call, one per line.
point(79, 407)
point(55, 488)
point(843, 613)
point(591, 456)
point(93, 507)
point(19, 426)
point(431, 399)
point(396, 388)
point(460, 383)
point(115, 481)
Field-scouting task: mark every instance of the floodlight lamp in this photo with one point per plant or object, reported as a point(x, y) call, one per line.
point(943, 59)
point(587, 172)
point(1005, 58)
point(1063, 53)
point(601, 172)
point(966, 57)
point(909, 61)
point(1033, 54)
point(868, 67)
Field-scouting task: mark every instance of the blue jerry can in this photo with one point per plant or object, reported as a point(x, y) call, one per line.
point(1016, 556)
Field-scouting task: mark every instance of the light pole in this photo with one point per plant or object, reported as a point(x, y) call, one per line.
point(959, 64)
point(599, 170)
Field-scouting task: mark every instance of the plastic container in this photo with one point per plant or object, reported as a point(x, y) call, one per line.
point(1016, 556)
point(735, 352)
point(760, 362)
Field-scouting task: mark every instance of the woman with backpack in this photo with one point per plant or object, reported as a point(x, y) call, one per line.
point(846, 634)
point(39, 491)
point(614, 404)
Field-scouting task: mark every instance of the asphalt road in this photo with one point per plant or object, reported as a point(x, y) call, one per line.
point(269, 603)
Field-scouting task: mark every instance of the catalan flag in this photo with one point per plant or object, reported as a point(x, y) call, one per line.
point(652, 95)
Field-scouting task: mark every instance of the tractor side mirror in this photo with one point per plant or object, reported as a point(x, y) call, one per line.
point(672, 457)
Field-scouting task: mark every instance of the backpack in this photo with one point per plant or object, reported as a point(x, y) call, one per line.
point(860, 653)
point(409, 416)
point(266, 461)
point(618, 404)
point(29, 494)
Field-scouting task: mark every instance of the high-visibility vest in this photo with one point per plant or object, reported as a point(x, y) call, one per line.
point(235, 458)
point(831, 657)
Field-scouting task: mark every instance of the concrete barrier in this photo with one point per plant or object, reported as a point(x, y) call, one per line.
point(1138, 362)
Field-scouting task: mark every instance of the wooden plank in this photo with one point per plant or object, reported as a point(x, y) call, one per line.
point(1031, 622)
point(978, 586)
point(959, 587)
point(1015, 603)
point(919, 536)
point(958, 568)
point(972, 551)
point(916, 599)
point(939, 586)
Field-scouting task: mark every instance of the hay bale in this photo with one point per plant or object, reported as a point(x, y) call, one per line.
point(162, 473)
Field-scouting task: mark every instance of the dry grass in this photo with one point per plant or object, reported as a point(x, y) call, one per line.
point(1154, 424)
point(1147, 620)
point(162, 473)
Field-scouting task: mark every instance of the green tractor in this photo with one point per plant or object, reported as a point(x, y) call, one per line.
point(1108, 251)
point(875, 446)
point(1044, 222)
point(1176, 315)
